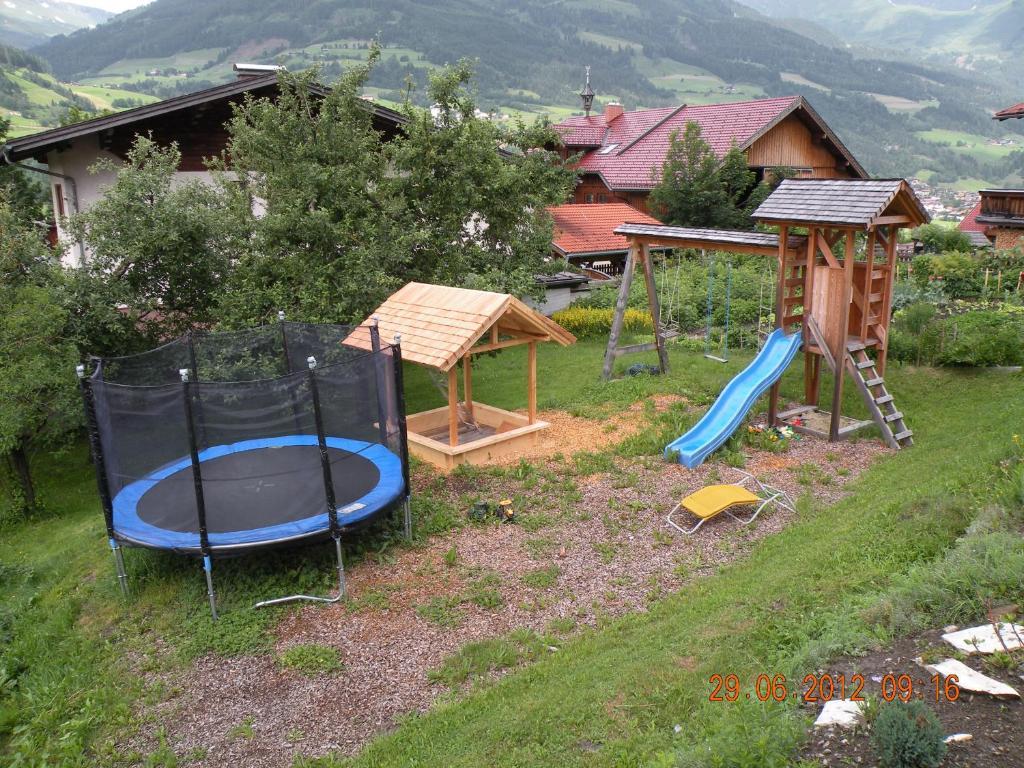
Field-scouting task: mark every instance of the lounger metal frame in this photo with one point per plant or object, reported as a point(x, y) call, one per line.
point(771, 495)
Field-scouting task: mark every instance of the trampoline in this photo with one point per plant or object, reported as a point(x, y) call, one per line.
point(220, 443)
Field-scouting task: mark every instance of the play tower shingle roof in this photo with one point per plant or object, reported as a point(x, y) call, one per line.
point(841, 202)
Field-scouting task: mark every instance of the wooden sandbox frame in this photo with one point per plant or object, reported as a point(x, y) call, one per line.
point(443, 328)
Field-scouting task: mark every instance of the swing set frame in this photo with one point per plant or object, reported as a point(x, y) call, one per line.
point(643, 238)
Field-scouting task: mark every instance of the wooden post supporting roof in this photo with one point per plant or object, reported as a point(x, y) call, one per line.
point(453, 407)
point(531, 382)
point(467, 383)
point(839, 344)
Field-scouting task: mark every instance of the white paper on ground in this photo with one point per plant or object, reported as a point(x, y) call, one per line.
point(841, 712)
point(983, 639)
point(969, 680)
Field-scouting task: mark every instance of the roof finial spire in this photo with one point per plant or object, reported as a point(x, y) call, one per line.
point(587, 95)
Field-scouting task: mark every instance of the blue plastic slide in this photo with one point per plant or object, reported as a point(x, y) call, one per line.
point(739, 395)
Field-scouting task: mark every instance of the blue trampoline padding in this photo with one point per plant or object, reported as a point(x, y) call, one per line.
point(389, 489)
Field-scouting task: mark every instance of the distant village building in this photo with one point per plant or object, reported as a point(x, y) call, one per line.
point(623, 152)
point(195, 121)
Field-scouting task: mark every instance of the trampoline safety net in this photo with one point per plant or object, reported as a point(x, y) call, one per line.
point(238, 446)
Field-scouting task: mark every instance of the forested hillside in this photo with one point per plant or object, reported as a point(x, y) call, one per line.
point(531, 55)
point(24, 23)
point(32, 98)
point(986, 35)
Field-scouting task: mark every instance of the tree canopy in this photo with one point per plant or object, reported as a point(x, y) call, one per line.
point(37, 400)
point(334, 218)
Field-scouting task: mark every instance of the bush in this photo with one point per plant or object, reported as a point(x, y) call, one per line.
point(962, 277)
point(981, 338)
point(937, 238)
point(908, 736)
point(907, 292)
point(587, 321)
point(974, 338)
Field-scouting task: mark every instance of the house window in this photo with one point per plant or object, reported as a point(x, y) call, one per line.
point(58, 194)
point(602, 198)
point(589, 197)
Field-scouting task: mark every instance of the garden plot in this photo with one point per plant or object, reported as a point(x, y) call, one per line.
point(589, 544)
point(995, 725)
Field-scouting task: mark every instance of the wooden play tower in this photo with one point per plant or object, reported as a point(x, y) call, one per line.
point(836, 250)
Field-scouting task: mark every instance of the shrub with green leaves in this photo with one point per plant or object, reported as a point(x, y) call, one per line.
point(974, 338)
point(908, 736)
point(937, 238)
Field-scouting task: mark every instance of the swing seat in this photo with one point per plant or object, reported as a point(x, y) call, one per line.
point(712, 500)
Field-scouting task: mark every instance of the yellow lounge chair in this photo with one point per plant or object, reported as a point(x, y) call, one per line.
point(712, 500)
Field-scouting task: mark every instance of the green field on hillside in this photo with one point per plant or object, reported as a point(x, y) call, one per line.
point(972, 143)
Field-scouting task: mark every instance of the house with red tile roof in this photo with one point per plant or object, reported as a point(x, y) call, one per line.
point(623, 152)
point(585, 234)
point(974, 229)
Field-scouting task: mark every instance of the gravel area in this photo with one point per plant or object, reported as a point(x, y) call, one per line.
point(603, 536)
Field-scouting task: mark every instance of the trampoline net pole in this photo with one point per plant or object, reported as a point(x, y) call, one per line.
point(378, 380)
point(284, 342)
point(197, 483)
point(321, 440)
point(403, 431)
point(99, 465)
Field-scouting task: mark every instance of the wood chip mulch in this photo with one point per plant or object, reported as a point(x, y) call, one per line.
point(613, 552)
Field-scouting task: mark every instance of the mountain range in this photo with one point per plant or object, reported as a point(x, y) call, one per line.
point(24, 23)
point(901, 115)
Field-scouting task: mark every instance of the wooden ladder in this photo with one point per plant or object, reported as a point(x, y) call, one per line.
point(877, 397)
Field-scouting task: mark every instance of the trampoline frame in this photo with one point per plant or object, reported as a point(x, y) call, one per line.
point(207, 551)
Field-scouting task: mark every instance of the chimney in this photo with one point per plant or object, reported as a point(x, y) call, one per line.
point(611, 111)
point(249, 71)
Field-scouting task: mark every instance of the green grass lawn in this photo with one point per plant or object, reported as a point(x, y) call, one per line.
point(830, 583)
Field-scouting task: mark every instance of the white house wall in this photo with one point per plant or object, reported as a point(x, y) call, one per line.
point(75, 162)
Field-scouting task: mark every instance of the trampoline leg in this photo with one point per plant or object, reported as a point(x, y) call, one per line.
point(407, 514)
point(122, 577)
point(341, 567)
point(208, 570)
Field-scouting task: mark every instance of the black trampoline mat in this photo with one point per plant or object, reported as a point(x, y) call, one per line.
point(257, 488)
